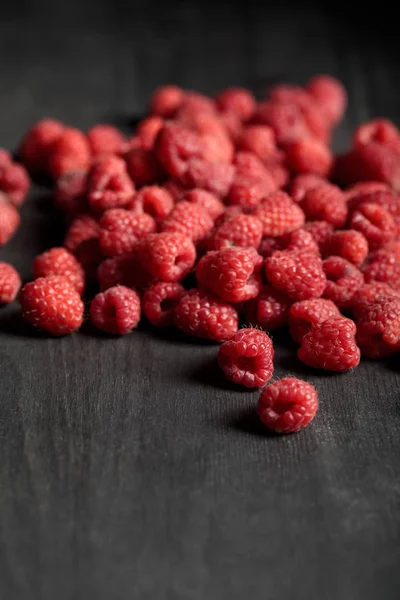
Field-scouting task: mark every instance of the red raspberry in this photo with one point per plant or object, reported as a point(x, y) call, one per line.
point(232, 273)
point(331, 345)
point(37, 142)
point(343, 280)
point(160, 301)
point(384, 268)
point(320, 230)
point(305, 315)
point(375, 223)
point(189, 219)
point(204, 315)
point(109, 185)
point(167, 256)
point(217, 148)
point(280, 174)
point(247, 358)
point(9, 220)
point(330, 94)
point(70, 192)
point(143, 166)
point(364, 187)
point(213, 177)
point(279, 214)
point(378, 328)
point(238, 101)
point(175, 145)
point(386, 199)
point(166, 100)
point(393, 247)
point(249, 191)
point(299, 240)
point(299, 275)
point(371, 162)
point(259, 139)
point(381, 131)
point(82, 239)
point(10, 282)
point(230, 211)
point(15, 182)
point(70, 151)
point(206, 200)
point(176, 189)
point(370, 293)
point(52, 304)
point(301, 184)
point(269, 310)
point(196, 104)
point(105, 139)
point(249, 166)
point(350, 245)
point(58, 261)
point(240, 230)
point(325, 203)
point(309, 156)
point(288, 405)
point(148, 130)
point(232, 124)
point(116, 311)
point(284, 92)
point(285, 118)
point(120, 230)
point(123, 270)
point(154, 201)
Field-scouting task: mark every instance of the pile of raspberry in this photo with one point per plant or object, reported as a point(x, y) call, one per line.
point(220, 211)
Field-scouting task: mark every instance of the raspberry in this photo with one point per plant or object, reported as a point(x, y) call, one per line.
point(299, 275)
point(301, 184)
point(350, 245)
point(52, 304)
point(249, 191)
point(370, 293)
point(166, 100)
point(36, 144)
point(284, 118)
point(116, 311)
point(160, 301)
point(175, 145)
point(309, 156)
point(299, 240)
point(393, 247)
point(206, 200)
point(176, 189)
point(364, 187)
point(238, 101)
point(105, 139)
point(381, 131)
point(385, 269)
point(109, 185)
point(386, 199)
point(320, 230)
point(378, 328)
point(370, 162)
point(259, 139)
point(195, 104)
point(167, 256)
point(232, 273)
point(9, 220)
point(5, 158)
point(249, 166)
point(154, 201)
point(288, 405)
point(331, 345)
point(148, 130)
point(189, 219)
point(247, 358)
point(82, 239)
point(70, 192)
point(325, 203)
point(15, 182)
point(217, 147)
point(70, 151)
point(143, 166)
point(120, 230)
point(279, 214)
point(213, 177)
point(375, 223)
point(10, 282)
point(269, 310)
point(343, 280)
point(279, 173)
point(123, 270)
point(330, 94)
point(204, 315)
point(58, 261)
point(305, 315)
point(240, 230)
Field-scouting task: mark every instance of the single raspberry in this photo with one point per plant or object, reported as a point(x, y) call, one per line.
point(232, 273)
point(148, 130)
point(9, 220)
point(301, 184)
point(15, 182)
point(331, 345)
point(384, 268)
point(82, 239)
point(386, 199)
point(10, 282)
point(213, 177)
point(285, 118)
point(330, 94)
point(36, 144)
point(175, 145)
point(160, 301)
point(370, 293)
point(176, 189)
point(351, 245)
point(123, 270)
point(238, 101)
point(201, 314)
point(320, 230)
point(240, 230)
point(284, 92)
point(247, 192)
point(70, 192)
point(120, 230)
point(381, 131)
point(154, 201)
point(378, 328)
point(217, 147)
point(167, 256)
point(375, 223)
point(364, 187)
point(189, 219)
point(370, 162)
point(279, 214)
point(52, 304)
point(116, 311)
point(250, 166)
point(309, 156)
point(288, 405)
point(259, 139)
point(70, 151)
point(58, 261)
point(343, 280)
point(206, 200)
point(299, 240)
point(305, 315)
point(269, 310)
point(325, 203)
point(109, 185)
point(166, 100)
point(143, 166)
point(105, 139)
point(299, 275)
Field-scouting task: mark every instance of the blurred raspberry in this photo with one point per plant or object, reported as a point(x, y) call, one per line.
point(364, 187)
point(370, 162)
point(143, 166)
point(14, 181)
point(301, 184)
point(384, 268)
point(82, 239)
point(299, 240)
point(299, 275)
point(9, 220)
point(70, 151)
point(330, 94)
point(35, 145)
point(325, 203)
point(238, 101)
point(309, 156)
point(213, 177)
point(320, 230)
point(206, 200)
point(154, 201)
point(370, 293)
point(10, 282)
point(105, 139)
point(247, 192)
point(375, 223)
point(166, 100)
point(175, 145)
point(148, 130)
point(70, 192)
point(284, 118)
point(259, 139)
point(381, 131)
point(109, 185)
point(240, 230)
point(123, 270)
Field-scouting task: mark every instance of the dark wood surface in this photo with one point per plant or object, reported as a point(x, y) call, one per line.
point(128, 467)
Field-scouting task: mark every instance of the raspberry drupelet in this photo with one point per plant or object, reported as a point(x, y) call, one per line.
point(239, 230)
point(58, 261)
point(159, 302)
point(247, 358)
point(36, 144)
point(116, 311)
point(109, 185)
point(121, 230)
point(299, 275)
point(305, 315)
point(105, 139)
point(70, 151)
point(269, 310)
point(378, 328)
point(343, 280)
point(350, 245)
point(10, 283)
point(279, 214)
point(189, 219)
point(288, 405)
point(369, 294)
point(154, 201)
point(9, 220)
point(167, 256)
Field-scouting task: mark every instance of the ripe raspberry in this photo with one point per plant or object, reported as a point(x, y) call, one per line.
point(58, 261)
point(105, 139)
point(305, 315)
point(9, 220)
point(384, 268)
point(320, 230)
point(10, 282)
point(160, 301)
point(120, 230)
point(15, 182)
point(364, 187)
point(238, 101)
point(217, 147)
point(285, 118)
point(301, 184)
point(343, 280)
point(288, 405)
point(280, 174)
point(232, 273)
point(240, 230)
point(350, 244)
point(154, 201)
point(188, 219)
point(206, 200)
point(259, 139)
point(371, 162)
point(232, 124)
point(375, 223)
point(299, 275)
point(247, 192)
point(393, 247)
point(148, 130)
point(269, 310)
point(279, 214)
point(284, 92)
point(166, 100)
point(386, 199)
point(195, 104)
point(70, 192)
point(247, 358)
point(378, 328)
point(331, 345)
point(249, 166)
point(176, 189)
point(213, 177)
point(167, 256)
point(70, 151)
point(370, 293)
point(204, 315)
point(309, 156)
point(299, 240)
point(143, 166)
point(109, 185)
point(381, 131)
point(52, 304)
point(36, 144)
point(116, 311)
point(82, 239)
point(123, 270)
point(175, 145)
point(325, 203)
point(330, 94)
